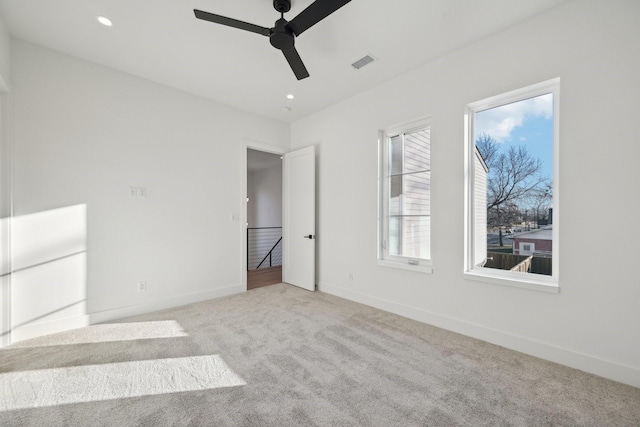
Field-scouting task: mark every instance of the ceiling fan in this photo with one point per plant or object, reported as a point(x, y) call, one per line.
point(282, 35)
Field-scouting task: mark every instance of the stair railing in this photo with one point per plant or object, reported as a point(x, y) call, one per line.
point(264, 247)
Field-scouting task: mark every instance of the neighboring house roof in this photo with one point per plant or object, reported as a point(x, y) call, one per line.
point(541, 234)
point(479, 156)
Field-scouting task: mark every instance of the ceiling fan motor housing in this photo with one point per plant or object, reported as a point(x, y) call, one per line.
point(282, 6)
point(281, 37)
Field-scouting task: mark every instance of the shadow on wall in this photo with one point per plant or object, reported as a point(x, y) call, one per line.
point(48, 271)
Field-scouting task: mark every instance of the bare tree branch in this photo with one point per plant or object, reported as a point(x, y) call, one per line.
point(513, 176)
point(514, 182)
point(488, 148)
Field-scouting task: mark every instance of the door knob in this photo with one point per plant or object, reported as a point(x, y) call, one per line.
point(309, 236)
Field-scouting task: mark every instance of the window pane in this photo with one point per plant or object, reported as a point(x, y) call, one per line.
point(409, 236)
point(409, 194)
point(515, 182)
point(417, 154)
point(406, 194)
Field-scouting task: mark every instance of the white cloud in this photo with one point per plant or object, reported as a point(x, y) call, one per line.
point(499, 122)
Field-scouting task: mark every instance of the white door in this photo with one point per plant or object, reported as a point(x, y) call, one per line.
point(299, 217)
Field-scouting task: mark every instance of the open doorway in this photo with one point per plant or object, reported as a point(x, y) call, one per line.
point(264, 219)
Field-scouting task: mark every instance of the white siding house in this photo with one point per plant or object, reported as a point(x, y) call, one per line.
point(410, 186)
point(480, 207)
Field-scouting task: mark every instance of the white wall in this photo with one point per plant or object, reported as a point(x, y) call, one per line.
point(5, 199)
point(83, 135)
point(592, 324)
point(5, 213)
point(5, 58)
point(264, 187)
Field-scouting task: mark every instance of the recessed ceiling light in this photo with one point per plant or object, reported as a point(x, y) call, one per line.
point(290, 96)
point(285, 109)
point(104, 21)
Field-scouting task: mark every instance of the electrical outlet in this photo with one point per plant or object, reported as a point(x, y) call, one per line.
point(138, 192)
point(142, 286)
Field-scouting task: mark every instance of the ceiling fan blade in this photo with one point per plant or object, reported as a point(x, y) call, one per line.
point(230, 22)
point(316, 12)
point(294, 60)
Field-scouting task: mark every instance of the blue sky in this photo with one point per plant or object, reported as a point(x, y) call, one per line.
point(528, 123)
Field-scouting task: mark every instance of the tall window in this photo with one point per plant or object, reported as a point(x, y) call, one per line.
point(512, 188)
point(405, 187)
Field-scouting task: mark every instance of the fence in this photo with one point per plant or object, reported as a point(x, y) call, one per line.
point(541, 265)
point(504, 261)
point(523, 263)
point(264, 247)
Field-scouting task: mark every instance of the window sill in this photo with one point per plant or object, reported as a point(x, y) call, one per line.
point(403, 266)
point(541, 284)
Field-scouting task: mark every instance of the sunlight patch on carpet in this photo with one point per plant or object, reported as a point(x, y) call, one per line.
point(77, 384)
point(110, 332)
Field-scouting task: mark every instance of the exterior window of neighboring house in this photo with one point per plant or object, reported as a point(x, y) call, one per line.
point(512, 219)
point(405, 196)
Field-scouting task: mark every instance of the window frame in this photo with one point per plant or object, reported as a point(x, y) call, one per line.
point(502, 277)
point(384, 258)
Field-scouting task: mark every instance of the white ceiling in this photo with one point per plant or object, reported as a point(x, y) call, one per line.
point(161, 40)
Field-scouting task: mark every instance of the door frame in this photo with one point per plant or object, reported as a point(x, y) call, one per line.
point(248, 144)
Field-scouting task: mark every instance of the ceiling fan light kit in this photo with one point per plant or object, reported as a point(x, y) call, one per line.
point(283, 34)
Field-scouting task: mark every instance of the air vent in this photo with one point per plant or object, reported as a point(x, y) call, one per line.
point(362, 62)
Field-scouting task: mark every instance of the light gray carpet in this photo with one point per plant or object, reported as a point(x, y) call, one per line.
point(282, 356)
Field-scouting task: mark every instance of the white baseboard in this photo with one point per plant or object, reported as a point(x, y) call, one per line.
point(34, 330)
point(162, 304)
point(563, 356)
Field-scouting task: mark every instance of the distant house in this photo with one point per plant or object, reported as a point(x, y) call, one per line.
point(536, 242)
